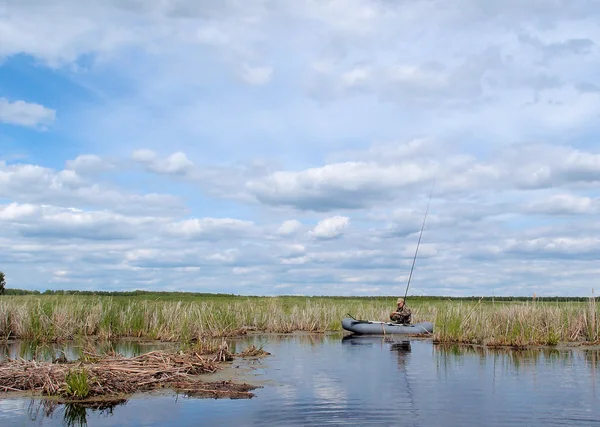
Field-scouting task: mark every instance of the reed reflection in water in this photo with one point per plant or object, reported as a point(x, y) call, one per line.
point(334, 380)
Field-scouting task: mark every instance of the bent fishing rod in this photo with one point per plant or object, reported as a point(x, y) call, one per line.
point(419, 242)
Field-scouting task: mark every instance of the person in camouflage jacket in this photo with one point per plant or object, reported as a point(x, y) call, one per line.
point(402, 314)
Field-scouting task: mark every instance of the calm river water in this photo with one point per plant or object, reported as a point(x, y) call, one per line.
point(329, 380)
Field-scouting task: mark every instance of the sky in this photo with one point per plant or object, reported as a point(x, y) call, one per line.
point(269, 147)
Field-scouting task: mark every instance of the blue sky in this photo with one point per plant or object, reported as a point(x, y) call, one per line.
point(270, 147)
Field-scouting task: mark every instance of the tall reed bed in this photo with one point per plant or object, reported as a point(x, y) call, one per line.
point(517, 324)
point(56, 318)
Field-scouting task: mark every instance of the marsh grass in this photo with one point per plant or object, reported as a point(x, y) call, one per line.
point(76, 384)
point(59, 318)
point(51, 318)
point(517, 324)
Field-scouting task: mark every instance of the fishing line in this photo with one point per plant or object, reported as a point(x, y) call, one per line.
point(419, 242)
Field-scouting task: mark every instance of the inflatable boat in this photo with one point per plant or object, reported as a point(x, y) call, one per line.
point(368, 327)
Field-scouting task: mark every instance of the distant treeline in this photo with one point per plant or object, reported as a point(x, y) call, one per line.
point(140, 293)
point(112, 293)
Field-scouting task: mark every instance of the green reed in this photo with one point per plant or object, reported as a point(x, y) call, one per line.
point(77, 384)
point(45, 318)
point(517, 324)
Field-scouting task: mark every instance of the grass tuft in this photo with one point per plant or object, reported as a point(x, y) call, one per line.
point(76, 384)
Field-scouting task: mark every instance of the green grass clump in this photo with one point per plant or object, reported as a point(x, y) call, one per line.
point(76, 384)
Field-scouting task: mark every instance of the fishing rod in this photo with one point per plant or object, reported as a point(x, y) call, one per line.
point(419, 242)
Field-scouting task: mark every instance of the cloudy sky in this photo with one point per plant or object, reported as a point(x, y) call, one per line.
point(276, 147)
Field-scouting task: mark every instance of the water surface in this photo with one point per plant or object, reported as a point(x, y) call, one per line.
point(330, 380)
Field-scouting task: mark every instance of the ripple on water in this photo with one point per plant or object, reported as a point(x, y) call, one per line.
point(324, 380)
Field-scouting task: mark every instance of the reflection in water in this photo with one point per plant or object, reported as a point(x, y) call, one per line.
point(401, 346)
point(74, 414)
point(370, 380)
point(402, 350)
point(32, 350)
point(592, 359)
point(518, 359)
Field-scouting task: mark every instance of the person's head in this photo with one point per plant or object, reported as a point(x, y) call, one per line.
point(400, 302)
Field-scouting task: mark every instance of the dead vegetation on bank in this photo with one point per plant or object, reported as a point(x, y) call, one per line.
point(113, 375)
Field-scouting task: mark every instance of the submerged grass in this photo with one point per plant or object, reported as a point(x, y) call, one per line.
point(57, 317)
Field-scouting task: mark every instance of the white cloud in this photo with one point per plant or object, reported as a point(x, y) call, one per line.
point(562, 247)
point(330, 228)
point(25, 114)
point(212, 228)
point(266, 110)
point(88, 164)
point(15, 211)
point(144, 156)
point(174, 164)
point(340, 185)
point(57, 223)
point(566, 204)
point(293, 251)
point(136, 242)
point(289, 227)
point(212, 36)
point(257, 76)
point(391, 176)
point(355, 76)
point(26, 183)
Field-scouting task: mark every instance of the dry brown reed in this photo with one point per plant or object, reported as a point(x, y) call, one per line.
point(114, 375)
point(253, 351)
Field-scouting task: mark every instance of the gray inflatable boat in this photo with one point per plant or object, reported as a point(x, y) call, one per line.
point(367, 327)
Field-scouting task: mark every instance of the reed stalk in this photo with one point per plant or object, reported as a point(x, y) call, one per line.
point(60, 318)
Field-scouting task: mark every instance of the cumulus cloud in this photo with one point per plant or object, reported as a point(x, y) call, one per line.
point(341, 185)
point(293, 251)
point(460, 227)
point(88, 164)
point(174, 164)
point(289, 227)
point(263, 122)
point(23, 113)
point(536, 166)
point(212, 228)
point(356, 185)
point(554, 247)
point(57, 223)
point(330, 228)
point(565, 204)
point(27, 183)
point(16, 211)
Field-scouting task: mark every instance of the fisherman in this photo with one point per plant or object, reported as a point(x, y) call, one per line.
point(402, 314)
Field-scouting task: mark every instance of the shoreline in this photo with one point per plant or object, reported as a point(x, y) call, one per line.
point(592, 345)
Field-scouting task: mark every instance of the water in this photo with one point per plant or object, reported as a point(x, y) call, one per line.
point(326, 380)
